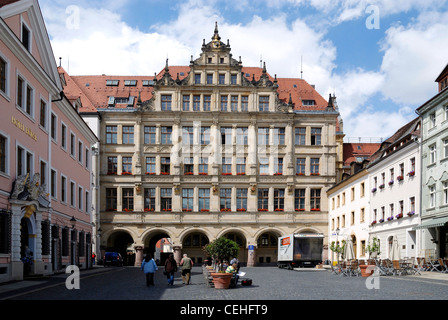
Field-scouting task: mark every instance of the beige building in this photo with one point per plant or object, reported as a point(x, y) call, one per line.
point(208, 150)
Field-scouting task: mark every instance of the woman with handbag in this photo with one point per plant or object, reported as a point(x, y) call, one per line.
point(170, 268)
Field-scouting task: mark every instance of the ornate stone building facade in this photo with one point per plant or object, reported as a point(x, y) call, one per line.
point(208, 150)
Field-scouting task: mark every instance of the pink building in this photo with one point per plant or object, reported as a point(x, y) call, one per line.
point(45, 154)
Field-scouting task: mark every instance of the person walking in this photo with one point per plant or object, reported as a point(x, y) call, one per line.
point(149, 267)
point(170, 268)
point(186, 264)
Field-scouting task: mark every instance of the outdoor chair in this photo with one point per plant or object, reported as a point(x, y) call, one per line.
point(434, 265)
point(443, 266)
point(335, 268)
point(397, 269)
point(384, 267)
point(422, 264)
point(354, 268)
point(415, 267)
point(445, 261)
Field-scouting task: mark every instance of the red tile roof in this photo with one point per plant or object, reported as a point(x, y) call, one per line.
point(94, 93)
point(351, 151)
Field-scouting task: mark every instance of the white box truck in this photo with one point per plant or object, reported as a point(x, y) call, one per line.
point(300, 250)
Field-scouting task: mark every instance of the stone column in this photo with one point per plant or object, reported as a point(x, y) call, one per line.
point(250, 256)
point(177, 253)
point(138, 255)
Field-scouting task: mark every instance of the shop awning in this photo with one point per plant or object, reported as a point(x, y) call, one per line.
point(432, 223)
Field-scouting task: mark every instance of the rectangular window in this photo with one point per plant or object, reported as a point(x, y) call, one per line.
point(278, 166)
point(20, 88)
point(53, 126)
point(264, 165)
point(111, 199)
point(87, 202)
point(299, 199)
point(111, 134)
point(43, 114)
point(80, 194)
point(226, 136)
point(432, 196)
point(26, 37)
point(210, 78)
point(128, 199)
point(432, 154)
point(279, 199)
point(225, 195)
point(241, 199)
point(166, 102)
point(204, 199)
point(263, 104)
point(186, 103)
point(165, 165)
point(197, 78)
point(279, 136)
point(242, 137)
point(53, 183)
point(128, 134)
point(244, 103)
point(240, 166)
point(315, 199)
point(196, 103)
point(314, 166)
point(150, 135)
point(224, 101)
point(316, 136)
point(166, 135)
point(188, 166)
point(29, 105)
point(112, 165)
point(80, 151)
point(432, 120)
point(263, 136)
point(226, 165)
point(203, 166)
point(63, 189)
point(165, 199)
point(126, 165)
point(300, 166)
point(3, 154)
point(150, 199)
point(43, 173)
point(222, 79)
point(63, 136)
point(234, 103)
point(72, 194)
point(205, 136)
point(150, 165)
point(3, 76)
point(263, 199)
point(207, 102)
point(187, 136)
point(187, 199)
point(233, 79)
point(72, 144)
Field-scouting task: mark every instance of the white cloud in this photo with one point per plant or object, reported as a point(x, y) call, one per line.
point(413, 57)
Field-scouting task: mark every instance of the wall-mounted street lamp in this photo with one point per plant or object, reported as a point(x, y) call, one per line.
point(73, 222)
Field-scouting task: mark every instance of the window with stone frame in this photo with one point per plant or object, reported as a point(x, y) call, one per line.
point(263, 199)
point(225, 199)
point(165, 199)
point(128, 199)
point(150, 199)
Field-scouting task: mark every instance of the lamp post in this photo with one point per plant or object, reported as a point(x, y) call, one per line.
point(337, 252)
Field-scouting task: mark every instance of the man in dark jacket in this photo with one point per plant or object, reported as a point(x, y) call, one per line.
point(170, 268)
point(186, 264)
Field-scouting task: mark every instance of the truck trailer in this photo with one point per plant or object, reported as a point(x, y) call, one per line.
point(300, 250)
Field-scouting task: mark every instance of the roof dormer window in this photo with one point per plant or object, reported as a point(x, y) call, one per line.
point(130, 83)
point(111, 83)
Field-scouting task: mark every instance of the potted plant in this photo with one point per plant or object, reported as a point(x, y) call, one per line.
point(338, 249)
point(221, 249)
point(374, 250)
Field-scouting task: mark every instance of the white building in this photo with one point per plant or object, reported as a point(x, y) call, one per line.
point(395, 192)
point(349, 211)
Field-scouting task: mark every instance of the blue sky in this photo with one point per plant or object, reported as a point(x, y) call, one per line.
point(380, 76)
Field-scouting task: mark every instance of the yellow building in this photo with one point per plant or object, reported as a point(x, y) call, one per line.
point(208, 150)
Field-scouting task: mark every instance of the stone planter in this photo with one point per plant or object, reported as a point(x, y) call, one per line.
point(221, 280)
point(364, 272)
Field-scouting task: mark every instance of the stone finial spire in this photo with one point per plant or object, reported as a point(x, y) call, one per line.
point(216, 36)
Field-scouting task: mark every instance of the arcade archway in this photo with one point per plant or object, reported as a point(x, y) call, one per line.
point(241, 241)
point(193, 244)
point(121, 242)
point(159, 246)
point(267, 247)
